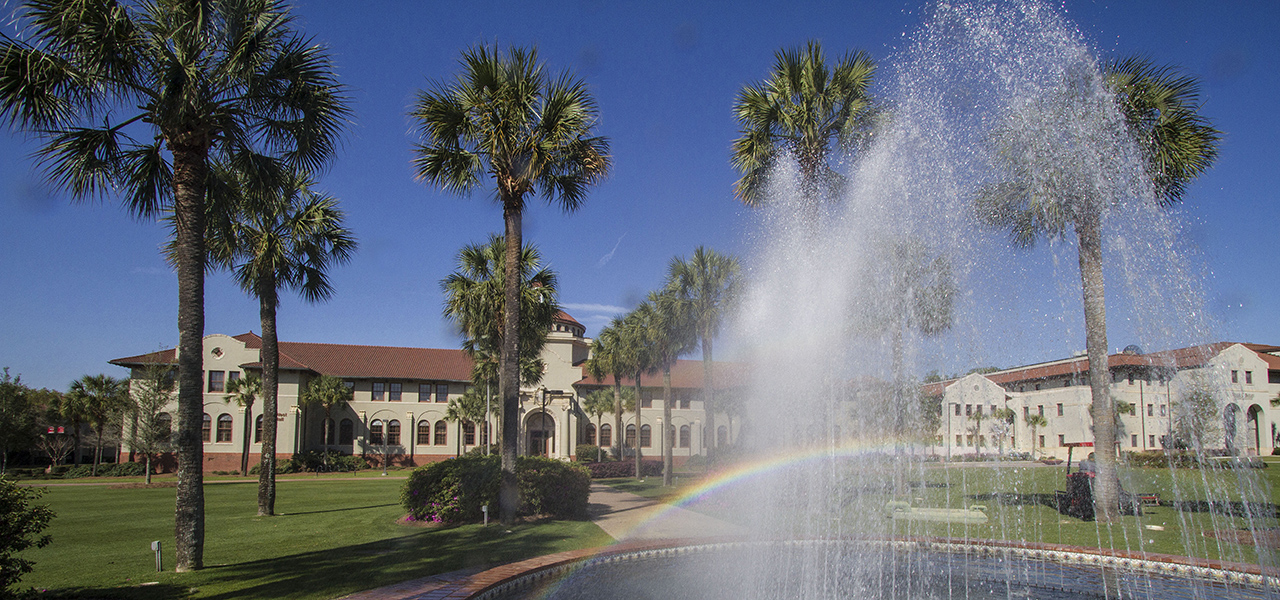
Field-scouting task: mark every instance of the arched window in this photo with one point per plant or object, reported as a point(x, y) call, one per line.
point(722, 435)
point(685, 434)
point(375, 431)
point(346, 432)
point(591, 434)
point(468, 434)
point(332, 431)
point(606, 435)
point(206, 428)
point(224, 427)
point(424, 432)
point(630, 440)
point(442, 433)
point(257, 430)
point(164, 425)
point(646, 436)
point(393, 432)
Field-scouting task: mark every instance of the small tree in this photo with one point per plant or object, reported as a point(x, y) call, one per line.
point(597, 403)
point(100, 400)
point(151, 431)
point(1035, 421)
point(57, 446)
point(1195, 414)
point(20, 527)
point(977, 417)
point(326, 392)
point(1002, 425)
point(244, 392)
point(17, 417)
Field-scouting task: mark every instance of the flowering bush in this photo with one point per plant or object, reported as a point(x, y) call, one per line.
point(624, 468)
point(453, 491)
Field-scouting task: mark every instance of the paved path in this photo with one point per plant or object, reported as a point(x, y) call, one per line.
point(626, 517)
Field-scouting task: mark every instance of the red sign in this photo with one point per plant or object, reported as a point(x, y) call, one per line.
point(50, 429)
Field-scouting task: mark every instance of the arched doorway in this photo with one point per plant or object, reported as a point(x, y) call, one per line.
point(1253, 431)
point(540, 431)
point(1230, 427)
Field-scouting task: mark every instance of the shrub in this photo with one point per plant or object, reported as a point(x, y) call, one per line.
point(124, 469)
point(20, 527)
point(494, 450)
point(587, 453)
point(624, 468)
point(1190, 460)
point(453, 491)
point(312, 461)
point(78, 471)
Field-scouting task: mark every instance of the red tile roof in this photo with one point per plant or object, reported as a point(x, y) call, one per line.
point(684, 374)
point(166, 357)
point(564, 317)
point(345, 360)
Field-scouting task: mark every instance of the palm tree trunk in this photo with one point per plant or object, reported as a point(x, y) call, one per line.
point(270, 383)
point(1106, 498)
point(190, 171)
point(148, 459)
point(248, 431)
point(618, 434)
point(75, 429)
point(509, 363)
point(708, 398)
point(638, 404)
point(666, 425)
point(97, 454)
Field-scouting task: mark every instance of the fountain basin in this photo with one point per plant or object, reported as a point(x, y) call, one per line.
point(869, 568)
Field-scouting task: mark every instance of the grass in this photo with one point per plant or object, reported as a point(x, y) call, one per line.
point(1019, 503)
point(333, 537)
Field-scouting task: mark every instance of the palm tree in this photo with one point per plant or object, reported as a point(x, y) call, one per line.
point(143, 100)
point(1046, 192)
point(74, 408)
point(708, 284)
point(636, 356)
point(605, 361)
point(796, 112)
point(288, 237)
point(669, 329)
point(469, 408)
point(98, 399)
point(474, 297)
point(244, 392)
point(597, 403)
point(1002, 420)
point(1035, 421)
point(327, 392)
point(506, 117)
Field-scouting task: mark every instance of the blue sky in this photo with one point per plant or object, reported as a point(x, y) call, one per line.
point(82, 284)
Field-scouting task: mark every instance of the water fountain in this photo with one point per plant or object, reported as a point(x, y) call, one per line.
point(842, 501)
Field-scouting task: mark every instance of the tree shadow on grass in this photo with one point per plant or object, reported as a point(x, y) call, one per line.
point(141, 592)
point(332, 510)
point(345, 570)
point(1017, 499)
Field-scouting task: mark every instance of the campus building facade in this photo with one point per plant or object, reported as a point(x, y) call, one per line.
point(401, 397)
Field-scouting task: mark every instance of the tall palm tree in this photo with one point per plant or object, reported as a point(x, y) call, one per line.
point(797, 112)
point(98, 399)
point(141, 100)
point(327, 392)
point(73, 408)
point(597, 403)
point(286, 236)
point(708, 284)
point(1042, 195)
point(244, 392)
point(474, 299)
point(505, 117)
point(606, 360)
point(636, 356)
point(669, 328)
point(466, 409)
point(1035, 421)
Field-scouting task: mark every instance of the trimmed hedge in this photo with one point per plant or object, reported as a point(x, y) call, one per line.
point(587, 453)
point(1190, 460)
point(452, 491)
point(624, 468)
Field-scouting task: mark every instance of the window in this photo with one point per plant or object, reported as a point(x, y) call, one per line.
point(257, 430)
point(1151, 441)
point(331, 427)
point(591, 434)
point(1115, 377)
point(379, 391)
point(685, 435)
point(424, 432)
point(630, 440)
point(606, 435)
point(982, 441)
point(1273, 376)
point(1235, 376)
point(442, 433)
point(1133, 441)
point(1042, 441)
point(393, 432)
point(684, 400)
point(1151, 410)
point(957, 409)
point(424, 392)
point(1162, 409)
point(484, 434)
point(164, 424)
point(346, 432)
point(224, 427)
point(1131, 379)
point(646, 400)
point(217, 384)
point(968, 410)
point(959, 440)
point(1037, 387)
point(1062, 440)
point(1026, 412)
point(233, 375)
point(442, 392)
point(722, 435)
point(1060, 413)
point(206, 428)
point(979, 410)
point(375, 431)
point(646, 436)
point(350, 385)
point(468, 434)
point(393, 394)
point(1248, 376)
point(1040, 410)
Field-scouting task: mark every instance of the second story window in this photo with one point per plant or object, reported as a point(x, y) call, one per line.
point(217, 381)
point(394, 393)
point(379, 391)
point(442, 392)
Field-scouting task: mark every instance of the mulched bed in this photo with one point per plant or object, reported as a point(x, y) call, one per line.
point(1266, 538)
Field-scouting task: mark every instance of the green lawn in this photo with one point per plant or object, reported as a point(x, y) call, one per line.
point(333, 537)
point(1019, 506)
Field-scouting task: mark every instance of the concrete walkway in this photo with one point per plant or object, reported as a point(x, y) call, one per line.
point(626, 517)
